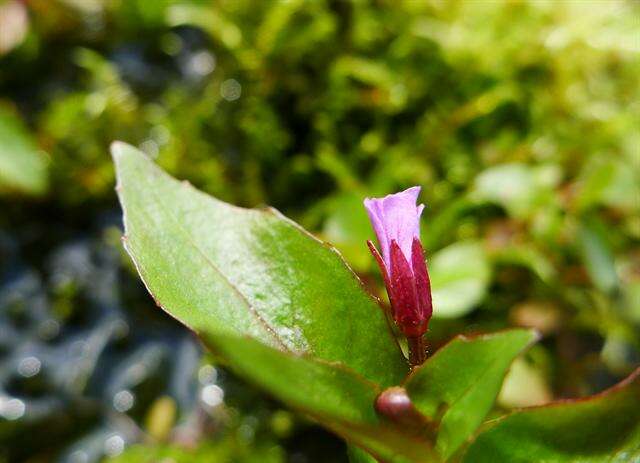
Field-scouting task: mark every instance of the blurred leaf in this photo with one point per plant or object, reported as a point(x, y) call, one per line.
point(274, 24)
point(161, 418)
point(527, 256)
point(597, 257)
point(460, 276)
point(543, 316)
point(23, 167)
point(348, 228)
point(219, 267)
point(144, 12)
point(334, 164)
point(632, 299)
point(459, 384)
point(440, 228)
point(519, 188)
point(357, 455)
point(225, 451)
point(609, 181)
point(605, 427)
point(210, 20)
point(366, 71)
point(524, 386)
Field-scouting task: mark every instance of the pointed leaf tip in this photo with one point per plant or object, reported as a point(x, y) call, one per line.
point(117, 147)
point(200, 257)
point(465, 376)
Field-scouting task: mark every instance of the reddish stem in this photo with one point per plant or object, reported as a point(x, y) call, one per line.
point(417, 351)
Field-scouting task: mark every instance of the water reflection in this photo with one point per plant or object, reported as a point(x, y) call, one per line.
point(75, 362)
point(11, 408)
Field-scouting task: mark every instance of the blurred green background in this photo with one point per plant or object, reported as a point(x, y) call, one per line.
point(519, 119)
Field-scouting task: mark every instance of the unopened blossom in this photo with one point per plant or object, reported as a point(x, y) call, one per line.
point(396, 222)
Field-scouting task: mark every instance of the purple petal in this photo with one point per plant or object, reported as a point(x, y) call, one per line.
point(395, 217)
point(374, 210)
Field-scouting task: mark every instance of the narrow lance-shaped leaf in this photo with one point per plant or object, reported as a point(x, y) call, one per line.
point(276, 304)
point(460, 383)
point(333, 395)
point(218, 267)
point(604, 427)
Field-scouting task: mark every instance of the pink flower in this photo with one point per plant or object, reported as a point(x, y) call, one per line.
point(396, 222)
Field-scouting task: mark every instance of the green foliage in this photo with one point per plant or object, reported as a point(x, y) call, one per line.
point(225, 272)
point(235, 275)
point(23, 168)
point(517, 119)
point(459, 384)
point(226, 451)
point(518, 188)
point(330, 393)
point(217, 268)
point(357, 455)
point(460, 276)
point(605, 427)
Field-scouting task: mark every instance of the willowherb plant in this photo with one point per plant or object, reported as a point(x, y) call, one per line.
point(396, 221)
point(284, 311)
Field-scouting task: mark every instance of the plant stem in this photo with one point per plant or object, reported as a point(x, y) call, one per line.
point(417, 351)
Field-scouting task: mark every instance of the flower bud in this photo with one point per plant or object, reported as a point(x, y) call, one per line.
point(396, 222)
point(395, 405)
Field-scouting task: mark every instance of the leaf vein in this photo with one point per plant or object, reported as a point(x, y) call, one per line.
point(252, 310)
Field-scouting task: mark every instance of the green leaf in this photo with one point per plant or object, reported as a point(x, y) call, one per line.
point(225, 451)
point(221, 28)
point(460, 383)
point(524, 386)
point(217, 267)
point(526, 255)
point(598, 259)
point(609, 181)
point(460, 275)
point(357, 455)
point(519, 188)
point(329, 393)
point(278, 305)
point(23, 167)
point(442, 225)
point(605, 427)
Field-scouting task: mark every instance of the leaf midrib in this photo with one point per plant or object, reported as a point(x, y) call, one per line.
point(191, 241)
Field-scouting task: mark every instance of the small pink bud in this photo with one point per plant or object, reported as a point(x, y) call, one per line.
point(396, 222)
point(395, 405)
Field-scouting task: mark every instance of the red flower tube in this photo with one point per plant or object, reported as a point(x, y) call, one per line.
point(396, 222)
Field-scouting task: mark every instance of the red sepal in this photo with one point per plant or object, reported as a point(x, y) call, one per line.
point(406, 310)
point(421, 275)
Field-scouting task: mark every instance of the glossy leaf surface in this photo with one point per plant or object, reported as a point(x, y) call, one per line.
point(332, 395)
point(602, 428)
point(459, 384)
point(217, 267)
